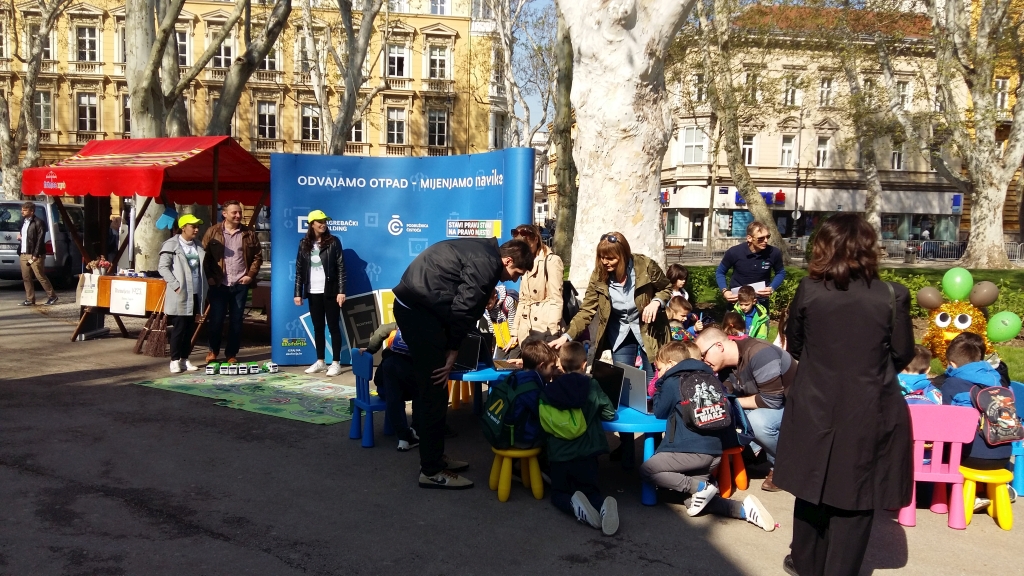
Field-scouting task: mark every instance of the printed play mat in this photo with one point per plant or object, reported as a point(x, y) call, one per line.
point(292, 396)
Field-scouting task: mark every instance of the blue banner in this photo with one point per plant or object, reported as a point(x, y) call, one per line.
point(385, 211)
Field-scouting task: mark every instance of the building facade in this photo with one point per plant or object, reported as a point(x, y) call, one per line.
point(432, 57)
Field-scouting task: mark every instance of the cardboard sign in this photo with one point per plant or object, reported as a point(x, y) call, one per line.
point(128, 297)
point(360, 318)
point(91, 291)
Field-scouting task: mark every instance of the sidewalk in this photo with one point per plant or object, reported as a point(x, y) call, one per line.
point(98, 476)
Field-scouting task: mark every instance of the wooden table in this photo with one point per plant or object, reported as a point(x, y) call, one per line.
point(154, 292)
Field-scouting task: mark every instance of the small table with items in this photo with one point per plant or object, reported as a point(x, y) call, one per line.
point(628, 422)
point(117, 295)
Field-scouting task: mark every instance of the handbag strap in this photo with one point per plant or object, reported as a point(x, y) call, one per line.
point(892, 306)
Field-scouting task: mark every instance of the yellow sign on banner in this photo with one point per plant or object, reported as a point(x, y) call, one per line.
point(386, 306)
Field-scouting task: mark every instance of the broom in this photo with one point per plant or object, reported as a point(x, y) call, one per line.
point(156, 345)
point(149, 323)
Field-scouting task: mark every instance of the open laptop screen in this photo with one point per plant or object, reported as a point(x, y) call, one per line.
point(610, 378)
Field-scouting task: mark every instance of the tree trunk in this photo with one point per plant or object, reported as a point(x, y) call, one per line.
point(985, 248)
point(356, 44)
point(11, 183)
point(873, 184)
point(561, 138)
point(623, 120)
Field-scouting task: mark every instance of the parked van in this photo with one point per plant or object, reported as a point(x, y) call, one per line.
point(63, 260)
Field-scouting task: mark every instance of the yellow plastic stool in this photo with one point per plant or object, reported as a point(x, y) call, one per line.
point(459, 392)
point(997, 492)
point(501, 472)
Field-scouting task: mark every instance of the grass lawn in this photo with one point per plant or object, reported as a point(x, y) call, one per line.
point(934, 275)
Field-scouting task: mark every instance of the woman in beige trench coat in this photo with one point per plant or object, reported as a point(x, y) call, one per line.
point(539, 315)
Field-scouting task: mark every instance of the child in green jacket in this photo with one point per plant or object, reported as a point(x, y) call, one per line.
point(755, 315)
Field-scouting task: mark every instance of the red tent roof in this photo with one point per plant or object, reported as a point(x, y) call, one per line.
point(181, 167)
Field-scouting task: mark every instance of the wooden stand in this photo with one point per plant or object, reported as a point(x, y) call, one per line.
point(154, 294)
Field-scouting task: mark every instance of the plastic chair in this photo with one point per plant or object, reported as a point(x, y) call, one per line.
point(732, 473)
point(998, 494)
point(362, 367)
point(1018, 447)
point(940, 425)
point(459, 391)
point(501, 472)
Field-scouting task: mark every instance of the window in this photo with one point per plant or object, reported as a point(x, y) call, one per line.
point(788, 143)
point(497, 136)
point(42, 104)
point(305, 63)
point(1002, 93)
point(751, 88)
point(87, 41)
point(439, 7)
point(396, 126)
point(825, 92)
point(3, 37)
point(47, 51)
point(266, 120)
point(126, 114)
point(940, 103)
point(748, 150)
point(437, 128)
point(498, 67)
point(398, 5)
point(700, 88)
point(867, 88)
point(482, 10)
point(120, 46)
point(693, 145)
point(310, 122)
point(269, 62)
point(181, 38)
point(438, 65)
point(356, 133)
point(791, 92)
point(87, 112)
point(821, 159)
point(225, 54)
point(396, 61)
point(897, 157)
point(903, 94)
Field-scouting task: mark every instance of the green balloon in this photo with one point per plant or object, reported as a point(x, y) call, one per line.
point(1003, 326)
point(957, 284)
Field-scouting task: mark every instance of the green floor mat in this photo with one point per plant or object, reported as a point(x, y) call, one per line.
point(292, 396)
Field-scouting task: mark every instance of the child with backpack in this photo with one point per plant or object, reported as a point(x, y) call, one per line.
point(395, 381)
point(571, 410)
point(693, 401)
point(971, 381)
point(754, 315)
point(511, 418)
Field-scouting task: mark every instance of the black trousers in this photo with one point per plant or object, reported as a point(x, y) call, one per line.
point(179, 334)
point(829, 541)
point(426, 336)
point(575, 475)
point(324, 307)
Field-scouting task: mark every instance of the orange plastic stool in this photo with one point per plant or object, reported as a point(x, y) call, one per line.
point(732, 472)
point(501, 472)
point(459, 392)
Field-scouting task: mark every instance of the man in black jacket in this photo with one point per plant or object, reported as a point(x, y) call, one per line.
point(441, 297)
point(32, 253)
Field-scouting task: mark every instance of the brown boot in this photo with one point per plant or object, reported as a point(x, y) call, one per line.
point(232, 360)
point(768, 485)
point(211, 356)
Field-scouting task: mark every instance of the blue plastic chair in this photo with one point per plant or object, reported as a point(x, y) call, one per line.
point(1018, 447)
point(362, 367)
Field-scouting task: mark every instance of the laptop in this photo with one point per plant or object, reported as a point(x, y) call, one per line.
point(611, 379)
point(477, 353)
point(636, 386)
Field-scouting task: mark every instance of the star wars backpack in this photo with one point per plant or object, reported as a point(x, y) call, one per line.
point(704, 405)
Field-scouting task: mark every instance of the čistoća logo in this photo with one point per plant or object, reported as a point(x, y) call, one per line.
point(51, 183)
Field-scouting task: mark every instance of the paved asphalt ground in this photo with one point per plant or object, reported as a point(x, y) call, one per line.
point(98, 476)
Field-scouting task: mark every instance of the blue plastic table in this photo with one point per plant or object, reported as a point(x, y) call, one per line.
point(628, 422)
point(478, 377)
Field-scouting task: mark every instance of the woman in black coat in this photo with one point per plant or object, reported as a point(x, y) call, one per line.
point(320, 278)
point(845, 441)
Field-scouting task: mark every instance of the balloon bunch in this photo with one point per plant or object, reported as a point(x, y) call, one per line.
point(949, 319)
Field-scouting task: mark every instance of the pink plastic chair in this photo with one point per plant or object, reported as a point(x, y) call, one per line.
point(940, 425)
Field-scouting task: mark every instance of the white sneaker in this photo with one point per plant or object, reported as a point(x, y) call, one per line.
point(317, 366)
point(585, 511)
point(175, 367)
point(335, 369)
point(190, 367)
point(705, 492)
point(609, 516)
point(981, 503)
point(445, 480)
point(757, 514)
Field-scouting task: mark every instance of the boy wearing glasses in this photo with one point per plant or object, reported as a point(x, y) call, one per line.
point(753, 262)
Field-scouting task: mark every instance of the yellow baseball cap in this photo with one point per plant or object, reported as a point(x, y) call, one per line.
point(188, 219)
point(317, 215)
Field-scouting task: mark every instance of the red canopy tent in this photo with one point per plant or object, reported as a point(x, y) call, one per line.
point(190, 170)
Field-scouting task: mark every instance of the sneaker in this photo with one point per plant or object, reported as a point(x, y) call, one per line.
point(705, 492)
point(175, 367)
point(27, 303)
point(981, 503)
point(232, 360)
point(406, 445)
point(211, 356)
point(335, 369)
point(609, 516)
point(453, 465)
point(190, 366)
point(1013, 494)
point(51, 300)
point(445, 480)
point(757, 514)
point(317, 366)
point(585, 512)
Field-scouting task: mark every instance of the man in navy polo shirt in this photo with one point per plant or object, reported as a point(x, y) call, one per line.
point(753, 262)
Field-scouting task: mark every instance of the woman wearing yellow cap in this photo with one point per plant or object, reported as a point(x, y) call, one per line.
point(320, 277)
point(181, 266)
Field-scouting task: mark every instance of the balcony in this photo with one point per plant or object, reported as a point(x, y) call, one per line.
point(48, 137)
point(397, 150)
point(302, 78)
point(1004, 115)
point(268, 76)
point(120, 68)
point(5, 64)
point(85, 136)
point(497, 90)
point(357, 149)
point(267, 145)
point(84, 67)
point(399, 84)
point(122, 135)
point(438, 151)
point(438, 86)
point(216, 74)
point(310, 147)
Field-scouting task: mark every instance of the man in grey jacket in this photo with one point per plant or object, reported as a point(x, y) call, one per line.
point(181, 266)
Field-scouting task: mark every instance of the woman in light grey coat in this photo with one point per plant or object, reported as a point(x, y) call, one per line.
point(181, 266)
